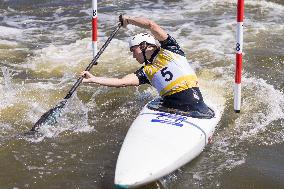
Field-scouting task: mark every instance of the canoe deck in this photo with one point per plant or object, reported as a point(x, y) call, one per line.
point(159, 142)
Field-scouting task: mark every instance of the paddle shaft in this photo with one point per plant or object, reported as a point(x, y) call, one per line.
point(94, 62)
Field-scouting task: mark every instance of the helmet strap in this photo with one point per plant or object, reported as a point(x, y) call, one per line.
point(143, 47)
point(144, 55)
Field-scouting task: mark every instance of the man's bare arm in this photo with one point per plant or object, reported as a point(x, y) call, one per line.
point(128, 80)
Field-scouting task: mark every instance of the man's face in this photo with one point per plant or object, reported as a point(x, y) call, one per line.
point(137, 54)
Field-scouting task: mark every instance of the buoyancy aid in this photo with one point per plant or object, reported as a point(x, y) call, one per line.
point(170, 73)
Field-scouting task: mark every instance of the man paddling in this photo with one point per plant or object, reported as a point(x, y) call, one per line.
point(165, 67)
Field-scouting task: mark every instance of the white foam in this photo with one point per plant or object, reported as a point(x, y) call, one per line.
point(262, 104)
point(262, 109)
point(257, 3)
point(75, 57)
point(218, 39)
point(74, 118)
point(66, 56)
point(8, 95)
point(9, 43)
point(5, 130)
point(9, 32)
point(269, 102)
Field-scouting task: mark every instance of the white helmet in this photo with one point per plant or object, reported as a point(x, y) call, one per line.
point(141, 37)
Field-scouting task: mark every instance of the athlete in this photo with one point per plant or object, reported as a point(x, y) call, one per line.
point(165, 67)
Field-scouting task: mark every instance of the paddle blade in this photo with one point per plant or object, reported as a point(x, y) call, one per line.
point(50, 117)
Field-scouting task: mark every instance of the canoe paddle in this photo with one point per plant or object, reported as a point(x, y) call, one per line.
point(50, 117)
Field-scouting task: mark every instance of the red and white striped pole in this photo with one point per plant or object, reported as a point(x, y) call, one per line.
point(239, 56)
point(94, 27)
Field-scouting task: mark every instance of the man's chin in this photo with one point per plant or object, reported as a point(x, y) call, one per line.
point(140, 62)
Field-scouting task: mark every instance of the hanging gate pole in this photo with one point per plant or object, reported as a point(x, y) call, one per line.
point(94, 27)
point(239, 56)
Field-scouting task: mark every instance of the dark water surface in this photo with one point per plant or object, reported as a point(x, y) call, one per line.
point(44, 44)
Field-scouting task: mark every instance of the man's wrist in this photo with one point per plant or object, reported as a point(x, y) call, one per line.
point(128, 20)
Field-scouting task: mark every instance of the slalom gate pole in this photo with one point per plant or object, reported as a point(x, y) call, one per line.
point(94, 27)
point(239, 56)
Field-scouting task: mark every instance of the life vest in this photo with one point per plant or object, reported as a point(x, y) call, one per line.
point(170, 73)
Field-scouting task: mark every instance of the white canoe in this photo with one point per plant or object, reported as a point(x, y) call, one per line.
point(159, 143)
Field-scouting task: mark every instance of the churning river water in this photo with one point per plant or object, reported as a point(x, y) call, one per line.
point(44, 44)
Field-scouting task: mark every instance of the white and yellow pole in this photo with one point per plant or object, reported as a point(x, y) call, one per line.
point(239, 57)
point(94, 27)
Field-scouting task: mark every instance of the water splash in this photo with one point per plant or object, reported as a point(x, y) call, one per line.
point(76, 116)
point(166, 181)
point(7, 74)
point(259, 120)
point(50, 117)
point(8, 94)
point(7, 97)
point(67, 115)
point(268, 107)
